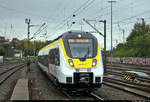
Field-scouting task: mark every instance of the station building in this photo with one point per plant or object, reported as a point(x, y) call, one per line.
point(8, 46)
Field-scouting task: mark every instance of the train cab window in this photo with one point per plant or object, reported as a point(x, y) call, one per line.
point(81, 48)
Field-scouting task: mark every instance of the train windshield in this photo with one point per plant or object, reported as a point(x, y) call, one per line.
point(81, 48)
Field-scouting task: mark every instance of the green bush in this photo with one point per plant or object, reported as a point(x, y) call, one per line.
point(137, 45)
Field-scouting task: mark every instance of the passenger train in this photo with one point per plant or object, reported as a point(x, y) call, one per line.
point(73, 61)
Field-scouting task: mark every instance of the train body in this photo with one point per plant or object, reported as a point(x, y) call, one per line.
point(73, 61)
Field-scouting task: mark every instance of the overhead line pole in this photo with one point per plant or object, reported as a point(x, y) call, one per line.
point(104, 21)
point(93, 27)
point(105, 61)
point(28, 34)
point(28, 21)
point(143, 24)
point(111, 27)
point(123, 31)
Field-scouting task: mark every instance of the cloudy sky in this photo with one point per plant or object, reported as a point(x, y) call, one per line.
point(58, 16)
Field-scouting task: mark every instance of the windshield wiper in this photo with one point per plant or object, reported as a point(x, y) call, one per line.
point(87, 53)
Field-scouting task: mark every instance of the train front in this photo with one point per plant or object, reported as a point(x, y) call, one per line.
point(82, 63)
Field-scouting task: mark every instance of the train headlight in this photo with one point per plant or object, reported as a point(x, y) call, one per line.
point(71, 62)
point(94, 62)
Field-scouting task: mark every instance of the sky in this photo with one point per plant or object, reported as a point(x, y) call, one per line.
point(58, 16)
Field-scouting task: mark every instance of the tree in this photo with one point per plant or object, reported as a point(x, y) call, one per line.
point(2, 51)
point(135, 46)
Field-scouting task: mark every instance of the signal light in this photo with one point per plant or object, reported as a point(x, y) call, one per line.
point(94, 62)
point(71, 62)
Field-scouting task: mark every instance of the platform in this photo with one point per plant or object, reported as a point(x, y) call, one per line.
point(21, 91)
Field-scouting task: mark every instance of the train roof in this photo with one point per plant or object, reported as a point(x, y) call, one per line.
point(72, 33)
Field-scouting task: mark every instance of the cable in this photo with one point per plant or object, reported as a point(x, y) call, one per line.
point(58, 7)
point(69, 17)
point(88, 4)
point(22, 12)
point(85, 7)
point(38, 31)
point(132, 17)
point(114, 11)
point(68, 3)
point(98, 11)
point(72, 13)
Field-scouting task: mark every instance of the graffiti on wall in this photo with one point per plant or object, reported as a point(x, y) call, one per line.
point(130, 60)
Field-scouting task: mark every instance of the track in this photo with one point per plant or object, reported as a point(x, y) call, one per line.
point(120, 74)
point(5, 74)
point(9, 62)
point(83, 96)
point(120, 70)
point(97, 96)
point(77, 96)
point(70, 95)
point(115, 78)
point(136, 88)
point(129, 67)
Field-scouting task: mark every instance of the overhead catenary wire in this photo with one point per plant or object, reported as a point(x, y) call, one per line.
point(72, 14)
point(68, 20)
point(59, 6)
point(23, 12)
point(39, 31)
point(123, 20)
point(100, 15)
point(61, 25)
point(64, 24)
point(99, 10)
point(90, 3)
point(124, 8)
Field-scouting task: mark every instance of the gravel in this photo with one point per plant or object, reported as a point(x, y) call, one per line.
point(110, 93)
point(41, 87)
point(7, 87)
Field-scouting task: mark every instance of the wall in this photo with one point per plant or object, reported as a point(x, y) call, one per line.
point(130, 60)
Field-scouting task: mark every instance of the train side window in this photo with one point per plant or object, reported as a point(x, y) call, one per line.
point(51, 56)
point(54, 56)
point(57, 57)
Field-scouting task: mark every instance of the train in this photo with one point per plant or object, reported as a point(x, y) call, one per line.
point(73, 61)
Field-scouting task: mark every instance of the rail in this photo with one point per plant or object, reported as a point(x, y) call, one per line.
point(7, 73)
point(142, 90)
